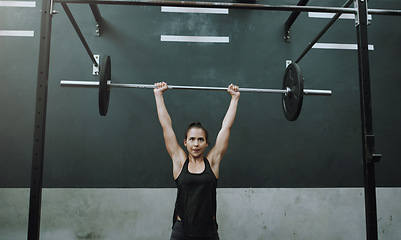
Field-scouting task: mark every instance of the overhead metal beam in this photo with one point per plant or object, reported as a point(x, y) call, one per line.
point(251, 6)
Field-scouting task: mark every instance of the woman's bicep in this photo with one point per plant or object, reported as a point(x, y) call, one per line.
point(220, 148)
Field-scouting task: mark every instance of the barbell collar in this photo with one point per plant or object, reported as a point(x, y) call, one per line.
point(80, 84)
point(317, 92)
point(95, 84)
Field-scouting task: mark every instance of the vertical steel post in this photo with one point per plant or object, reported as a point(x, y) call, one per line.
point(40, 122)
point(369, 155)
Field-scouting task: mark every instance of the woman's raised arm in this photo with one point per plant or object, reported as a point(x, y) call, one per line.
point(176, 153)
point(216, 154)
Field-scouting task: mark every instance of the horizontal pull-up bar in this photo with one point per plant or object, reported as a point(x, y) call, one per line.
point(250, 6)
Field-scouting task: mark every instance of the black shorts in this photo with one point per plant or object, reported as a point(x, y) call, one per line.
point(178, 234)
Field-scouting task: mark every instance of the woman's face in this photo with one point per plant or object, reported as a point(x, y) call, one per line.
point(196, 142)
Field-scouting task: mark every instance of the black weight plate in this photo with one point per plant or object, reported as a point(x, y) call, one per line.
point(104, 89)
point(292, 102)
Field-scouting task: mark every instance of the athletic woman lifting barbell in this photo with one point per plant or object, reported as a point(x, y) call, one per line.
point(195, 175)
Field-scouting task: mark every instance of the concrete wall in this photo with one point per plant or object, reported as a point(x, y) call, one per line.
point(254, 214)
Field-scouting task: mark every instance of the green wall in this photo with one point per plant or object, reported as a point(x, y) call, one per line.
point(125, 148)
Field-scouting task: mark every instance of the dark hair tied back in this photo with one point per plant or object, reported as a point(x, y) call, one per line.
point(197, 125)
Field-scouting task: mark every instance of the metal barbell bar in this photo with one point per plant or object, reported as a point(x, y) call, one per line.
point(95, 84)
point(292, 90)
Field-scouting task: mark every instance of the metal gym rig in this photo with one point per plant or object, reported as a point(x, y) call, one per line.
point(360, 9)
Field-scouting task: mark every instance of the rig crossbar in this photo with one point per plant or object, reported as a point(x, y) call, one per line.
point(231, 5)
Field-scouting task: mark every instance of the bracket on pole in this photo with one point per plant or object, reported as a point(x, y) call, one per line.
point(96, 68)
point(98, 18)
point(356, 5)
point(291, 19)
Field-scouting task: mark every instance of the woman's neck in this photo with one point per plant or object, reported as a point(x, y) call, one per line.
point(195, 159)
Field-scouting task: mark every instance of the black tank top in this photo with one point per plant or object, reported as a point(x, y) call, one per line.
point(196, 201)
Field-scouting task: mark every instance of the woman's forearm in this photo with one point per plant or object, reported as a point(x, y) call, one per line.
point(229, 118)
point(162, 113)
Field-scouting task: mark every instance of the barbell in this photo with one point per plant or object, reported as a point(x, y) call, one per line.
point(292, 88)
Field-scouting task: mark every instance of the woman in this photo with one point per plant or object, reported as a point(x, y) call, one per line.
point(195, 175)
